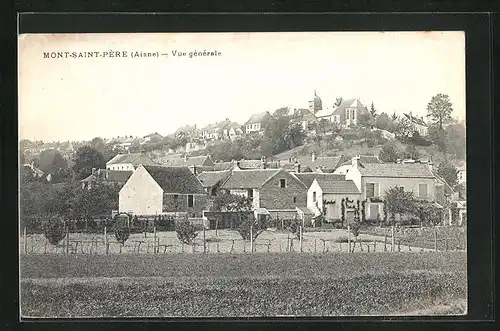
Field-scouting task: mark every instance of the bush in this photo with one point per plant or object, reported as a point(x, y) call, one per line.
point(54, 231)
point(121, 228)
point(186, 232)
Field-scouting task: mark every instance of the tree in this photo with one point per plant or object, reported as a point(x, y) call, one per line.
point(439, 109)
point(438, 137)
point(398, 201)
point(365, 119)
point(98, 144)
point(428, 212)
point(455, 140)
point(294, 136)
point(404, 129)
point(382, 121)
point(186, 231)
point(389, 153)
point(54, 231)
point(448, 172)
point(411, 152)
point(338, 101)
point(324, 125)
point(87, 158)
point(394, 117)
point(281, 112)
point(51, 160)
point(121, 228)
point(373, 111)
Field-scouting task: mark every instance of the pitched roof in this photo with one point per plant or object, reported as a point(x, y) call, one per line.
point(258, 118)
point(134, 158)
point(349, 103)
point(416, 120)
point(179, 161)
point(244, 179)
point(118, 176)
point(324, 162)
point(211, 178)
point(394, 170)
point(331, 185)
point(218, 166)
point(364, 159)
point(178, 180)
point(308, 177)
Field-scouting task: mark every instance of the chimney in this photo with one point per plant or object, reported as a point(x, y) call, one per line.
point(430, 165)
point(263, 162)
point(195, 171)
point(297, 167)
point(355, 161)
point(318, 169)
point(314, 156)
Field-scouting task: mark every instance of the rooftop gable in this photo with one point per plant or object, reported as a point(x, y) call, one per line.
point(212, 178)
point(259, 118)
point(175, 180)
point(395, 170)
point(330, 185)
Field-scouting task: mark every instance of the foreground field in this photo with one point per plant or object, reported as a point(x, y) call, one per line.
point(243, 285)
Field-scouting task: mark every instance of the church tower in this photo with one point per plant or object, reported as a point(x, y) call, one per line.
point(316, 104)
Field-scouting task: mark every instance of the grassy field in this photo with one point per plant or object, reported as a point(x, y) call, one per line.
point(176, 285)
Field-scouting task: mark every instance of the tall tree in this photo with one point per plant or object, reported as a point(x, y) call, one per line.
point(87, 158)
point(399, 201)
point(389, 153)
point(455, 140)
point(373, 111)
point(439, 109)
point(382, 121)
point(281, 112)
point(50, 160)
point(338, 101)
point(448, 172)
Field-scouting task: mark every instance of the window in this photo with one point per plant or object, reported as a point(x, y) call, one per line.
point(370, 190)
point(353, 114)
point(347, 114)
point(422, 190)
point(250, 193)
point(190, 200)
point(294, 199)
point(282, 183)
point(314, 196)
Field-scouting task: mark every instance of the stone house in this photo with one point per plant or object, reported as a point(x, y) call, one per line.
point(257, 123)
point(155, 190)
point(345, 115)
point(213, 180)
point(106, 177)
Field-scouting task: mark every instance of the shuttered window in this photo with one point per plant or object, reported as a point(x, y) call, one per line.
point(370, 190)
point(190, 200)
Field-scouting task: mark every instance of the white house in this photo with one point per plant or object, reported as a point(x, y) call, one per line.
point(326, 193)
point(154, 190)
point(363, 159)
point(128, 162)
point(346, 114)
point(418, 123)
point(373, 179)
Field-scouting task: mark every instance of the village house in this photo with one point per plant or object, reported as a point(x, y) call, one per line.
point(152, 138)
point(155, 190)
point(231, 130)
point(374, 179)
point(128, 162)
point(274, 192)
point(258, 122)
point(213, 180)
point(325, 195)
point(313, 163)
point(106, 177)
point(418, 124)
point(363, 159)
point(197, 164)
point(345, 115)
point(304, 117)
point(195, 145)
point(245, 164)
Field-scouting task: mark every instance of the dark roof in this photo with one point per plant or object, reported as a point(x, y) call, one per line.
point(324, 162)
point(308, 177)
point(244, 179)
point(223, 166)
point(332, 185)
point(135, 158)
point(179, 161)
point(364, 159)
point(415, 119)
point(211, 178)
point(258, 118)
point(394, 170)
point(178, 180)
point(118, 176)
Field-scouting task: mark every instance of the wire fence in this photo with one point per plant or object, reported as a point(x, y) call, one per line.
point(272, 241)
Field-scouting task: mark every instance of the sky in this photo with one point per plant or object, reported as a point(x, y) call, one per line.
point(80, 98)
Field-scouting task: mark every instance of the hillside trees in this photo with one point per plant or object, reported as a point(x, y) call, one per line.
point(338, 101)
point(448, 172)
point(439, 109)
point(87, 158)
point(389, 153)
point(50, 160)
point(398, 201)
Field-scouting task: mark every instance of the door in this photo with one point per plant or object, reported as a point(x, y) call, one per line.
point(373, 211)
point(331, 212)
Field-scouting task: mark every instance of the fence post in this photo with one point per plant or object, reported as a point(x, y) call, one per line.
point(67, 241)
point(392, 238)
point(435, 239)
point(106, 239)
point(25, 241)
point(368, 248)
point(232, 246)
point(300, 237)
point(154, 239)
point(348, 238)
point(385, 243)
point(251, 238)
point(399, 245)
point(315, 249)
point(204, 241)
point(374, 245)
point(446, 242)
